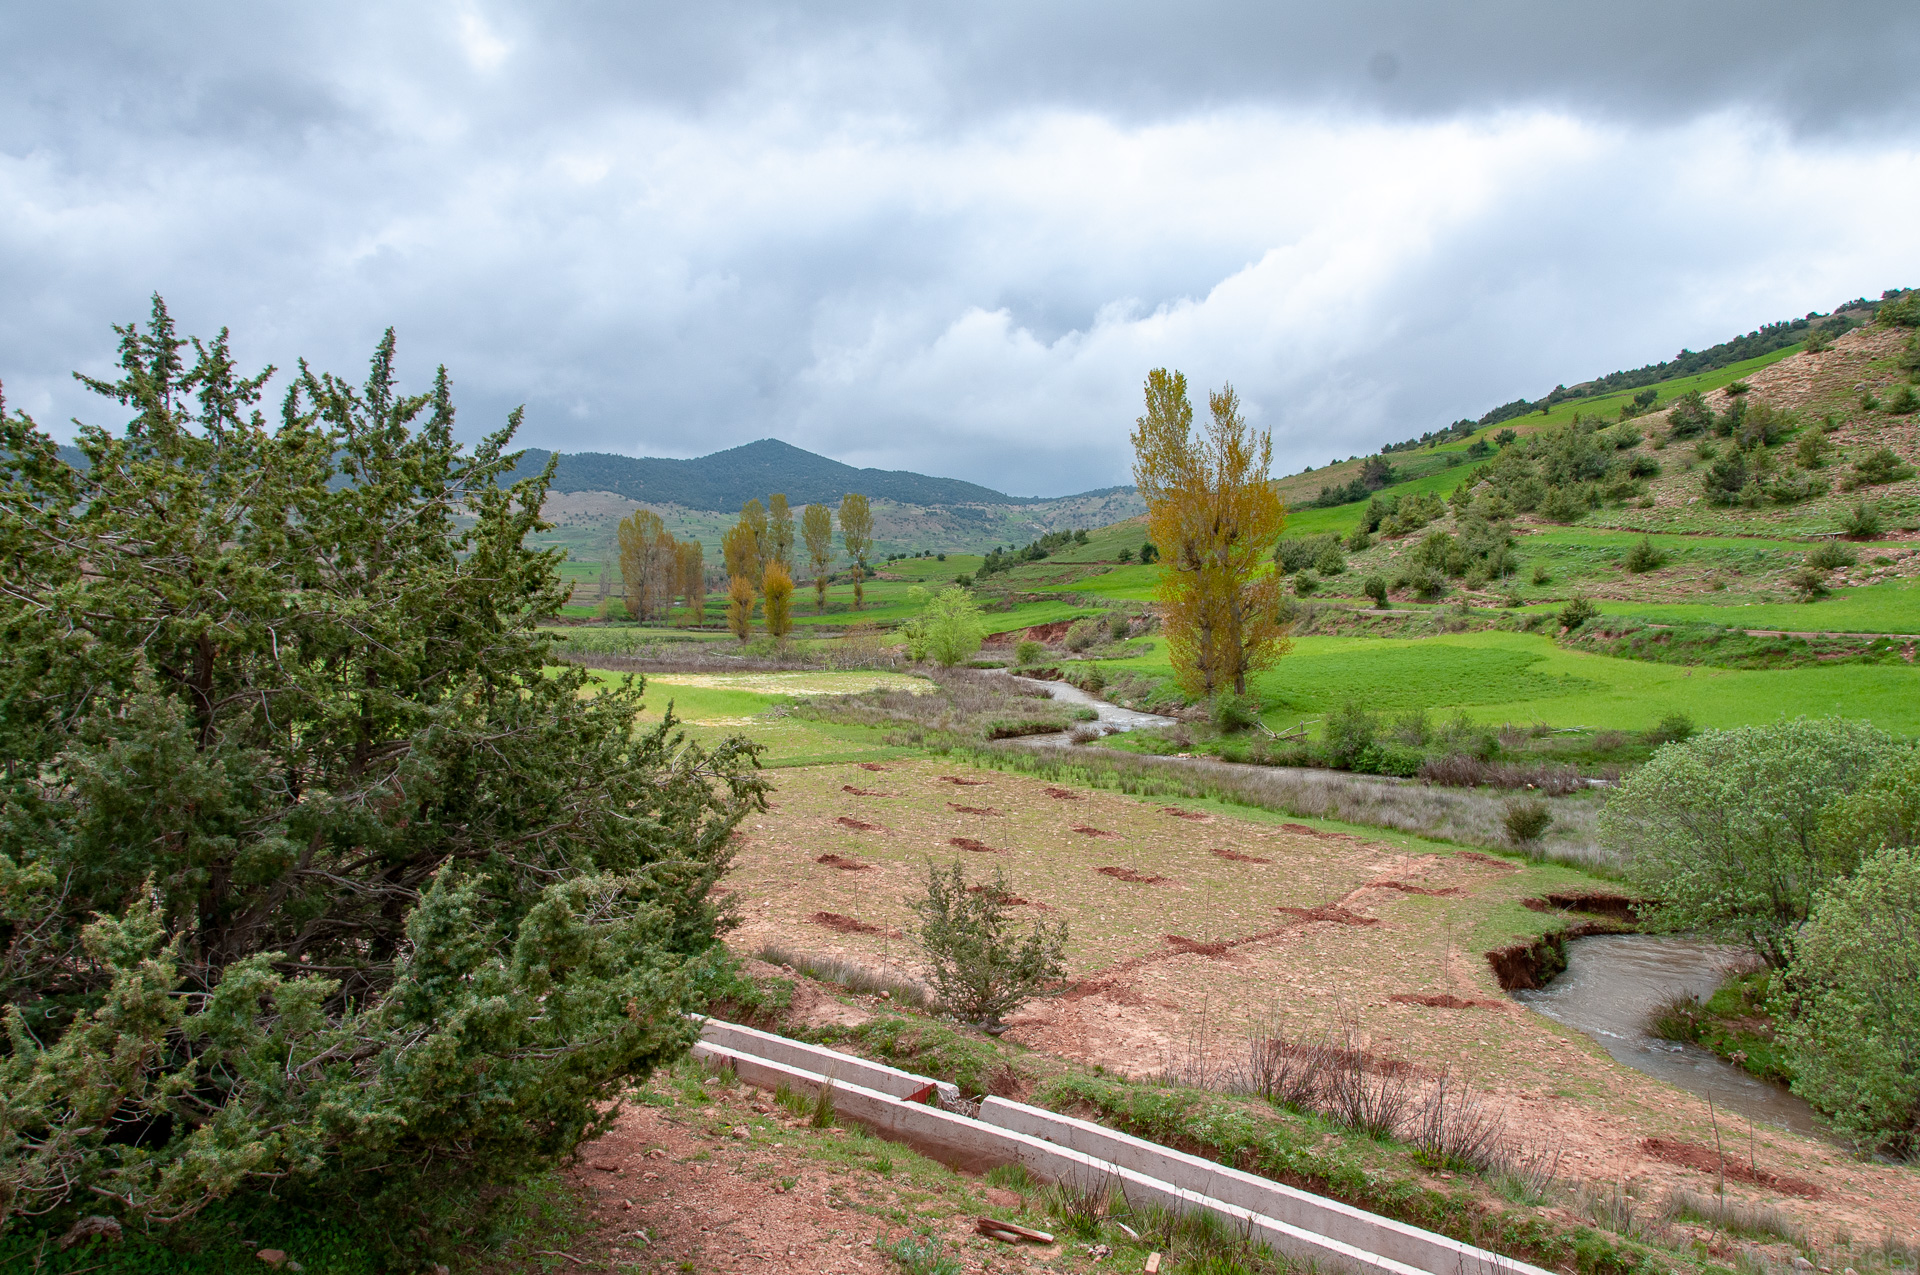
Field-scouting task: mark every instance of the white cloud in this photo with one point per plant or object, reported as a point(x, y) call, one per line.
point(841, 247)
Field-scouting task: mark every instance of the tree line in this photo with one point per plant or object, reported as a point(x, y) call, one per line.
point(758, 553)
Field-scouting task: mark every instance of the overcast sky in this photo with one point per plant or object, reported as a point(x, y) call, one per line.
point(950, 238)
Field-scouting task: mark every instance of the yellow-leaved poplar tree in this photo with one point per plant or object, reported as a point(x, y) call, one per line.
point(777, 588)
point(856, 533)
point(693, 580)
point(740, 607)
point(816, 528)
point(1213, 514)
point(649, 565)
point(780, 531)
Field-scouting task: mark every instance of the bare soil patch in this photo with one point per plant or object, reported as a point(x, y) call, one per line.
point(1445, 892)
point(1128, 874)
point(969, 843)
point(873, 765)
point(1234, 856)
point(1693, 1156)
point(974, 810)
point(848, 925)
point(1330, 912)
point(1489, 860)
point(1447, 1000)
point(864, 792)
point(1086, 831)
point(844, 864)
point(1063, 794)
point(963, 782)
point(858, 825)
point(1323, 835)
point(1193, 815)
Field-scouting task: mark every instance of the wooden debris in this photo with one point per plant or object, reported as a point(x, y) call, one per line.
point(1009, 1232)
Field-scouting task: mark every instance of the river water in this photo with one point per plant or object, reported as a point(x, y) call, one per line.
point(1112, 716)
point(1614, 981)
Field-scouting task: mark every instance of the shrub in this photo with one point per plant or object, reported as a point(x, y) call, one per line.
point(1305, 583)
point(1879, 466)
point(777, 606)
point(1359, 540)
point(1855, 979)
point(1083, 634)
point(1426, 583)
point(1028, 653)
point(1376, 588)
point(1577, 613)
point(1689, 415)
point(1903, 401)
point(1645, 556)
point(1125, 555)
point(1830, 555)
point(979, 967)
point(1722, 829)
point(1388, 758)
point(1862, 522)
point(1526, 820)
point(316, 836)
point(1809, 584)
point(1232, 712)
point(1643, 467)
point(1541, 575)
point(1347, 732)
point(1149, 553)
point(1119, 624)
point(1674, 728)
point(1818, 340)
point(1811, 451)
point(1563, 506)
point(1331, 561)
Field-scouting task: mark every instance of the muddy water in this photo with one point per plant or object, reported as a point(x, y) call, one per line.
point(1614, 981)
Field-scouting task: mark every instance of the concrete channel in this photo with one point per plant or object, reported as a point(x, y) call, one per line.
point(932, 1118)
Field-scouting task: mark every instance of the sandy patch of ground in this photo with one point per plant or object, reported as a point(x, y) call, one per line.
point(809, 682)
point(1205, 941)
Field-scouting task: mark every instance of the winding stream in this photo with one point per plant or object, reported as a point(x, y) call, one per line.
point(1112, 716)
point(1614, 981)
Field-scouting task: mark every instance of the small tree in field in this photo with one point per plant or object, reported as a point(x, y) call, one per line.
point(816, 528)
point(740, 607)
point(949, 628)
point(980, 967)
point(856, 533)
point(693, 580)
point(777, 588)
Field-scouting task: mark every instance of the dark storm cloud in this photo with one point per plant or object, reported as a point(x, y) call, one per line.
point(948, 239)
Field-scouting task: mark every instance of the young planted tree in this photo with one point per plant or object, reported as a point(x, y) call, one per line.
point(1213, 513)
point(980, 967)
point(816, 528)
point(776, 587)
point(856, 533)
point(740, 601)
point(318, 877)
point(692, 564)
point(780, 531)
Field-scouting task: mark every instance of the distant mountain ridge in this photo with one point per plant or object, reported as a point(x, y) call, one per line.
point(728, 479)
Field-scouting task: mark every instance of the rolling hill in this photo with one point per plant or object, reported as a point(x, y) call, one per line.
point(726, 480)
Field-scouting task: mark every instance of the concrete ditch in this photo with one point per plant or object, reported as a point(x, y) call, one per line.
point(932, 1118)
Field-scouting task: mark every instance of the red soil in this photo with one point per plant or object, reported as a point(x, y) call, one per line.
point(1064, 794)
point(973, 810)
point(968, 843)
point(1487, 859)
point(1330, 912)
point(964, 783)
point(1178, 813)
point(864, 792)
point(1128, 874)
point(1093, 832)
point(845, 865)
point(847, 925)
point(1237, 857)
point(1404, 888)
point(1690, 1155)
point(857, 825)
point(1446, 1000)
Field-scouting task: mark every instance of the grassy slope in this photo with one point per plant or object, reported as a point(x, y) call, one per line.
point(1523, 678)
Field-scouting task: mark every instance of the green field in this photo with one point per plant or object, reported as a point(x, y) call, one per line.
point(1524, 678)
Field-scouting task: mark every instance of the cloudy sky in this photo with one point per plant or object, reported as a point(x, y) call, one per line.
point(950, 238)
